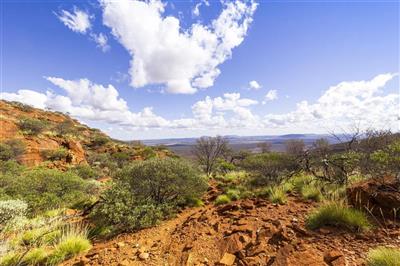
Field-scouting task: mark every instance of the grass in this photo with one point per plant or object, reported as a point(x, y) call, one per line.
point(277, 195)
point(383, 256)
point(311, 192)
point(300, 181)
point(233, 194)
point(35, 256)
point(222, 199)
point(10, 259)
point(336, 214)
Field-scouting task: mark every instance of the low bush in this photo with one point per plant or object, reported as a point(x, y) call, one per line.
point(99, 140)
point(11, 149)
point(383, 256)
point(335, 214)
point(10, 210)
point(222, 199)
point(269, 168)
point(55, 155)
point(45, 189)
point(31, 126)
point(85, 171)
point(145, 192)
point(311, 192)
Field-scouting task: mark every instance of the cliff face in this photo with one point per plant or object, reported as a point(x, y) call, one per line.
point(45, 134)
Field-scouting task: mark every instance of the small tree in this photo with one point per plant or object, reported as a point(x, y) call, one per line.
point(321, 147)
point(11, 149)
point(295, 147)
point(264, 146)
point(207, 151)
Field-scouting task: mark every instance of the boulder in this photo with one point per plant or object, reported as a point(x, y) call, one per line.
point(381, 196)
point(227, 259)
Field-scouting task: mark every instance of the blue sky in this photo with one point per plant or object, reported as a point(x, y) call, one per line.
point(342, 58)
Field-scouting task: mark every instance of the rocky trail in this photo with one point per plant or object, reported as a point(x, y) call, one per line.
point(245, 232)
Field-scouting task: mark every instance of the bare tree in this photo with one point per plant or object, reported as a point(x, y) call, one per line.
point(321, 147)
point(208, 149)
point(264, 146)
point(349, 137)
point(295, 147)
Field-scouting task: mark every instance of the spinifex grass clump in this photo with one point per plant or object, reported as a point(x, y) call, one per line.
point(383, 256)
point(277, 195)
point(311, 192)
point(73, 242)
point(336, 214)
point(222, 199)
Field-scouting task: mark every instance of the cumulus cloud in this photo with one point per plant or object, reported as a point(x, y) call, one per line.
point(345, 103)
point(270, 96)
point(339, 106)
point(77, 20)
point(164, 53)
point(254, 85)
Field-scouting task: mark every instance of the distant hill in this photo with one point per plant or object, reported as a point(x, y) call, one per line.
point(183, 146)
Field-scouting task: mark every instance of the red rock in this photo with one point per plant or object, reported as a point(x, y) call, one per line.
point(227, 259)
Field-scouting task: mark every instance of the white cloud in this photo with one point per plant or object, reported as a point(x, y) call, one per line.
point(101, 40)
point(196, 9)
point(164, 53)
point(340, 105)
point(77, 20)
point(254, 85)
point(270, 96)
point(343, 104)
point(33, 98)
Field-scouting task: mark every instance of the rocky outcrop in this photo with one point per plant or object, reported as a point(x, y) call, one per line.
point(380, 196)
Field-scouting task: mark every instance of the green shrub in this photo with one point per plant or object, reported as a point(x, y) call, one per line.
point(31, 126)
point(233, 194)
point(11, 149)
point(383, 256)
point(301, 180)
point(147, 191)
point(336, 214)
point(10, 210)
point(66, 127)
point(55, 155)
point(148, 153)
point(99, 140)
point(311, 192)
point(121, 158)
point(269, 168)
point(195, 202)
point(222, 199)
point(45, 189)
point(277, 194)
point(85, 171)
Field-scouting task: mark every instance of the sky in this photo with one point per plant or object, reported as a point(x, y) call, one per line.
point(166, 69)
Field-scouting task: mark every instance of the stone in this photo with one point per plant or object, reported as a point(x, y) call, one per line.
point(332, 255)
point(227, 259)
point(376, 194)
point(124, 263)
point(144, 256)
point(120, 244)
